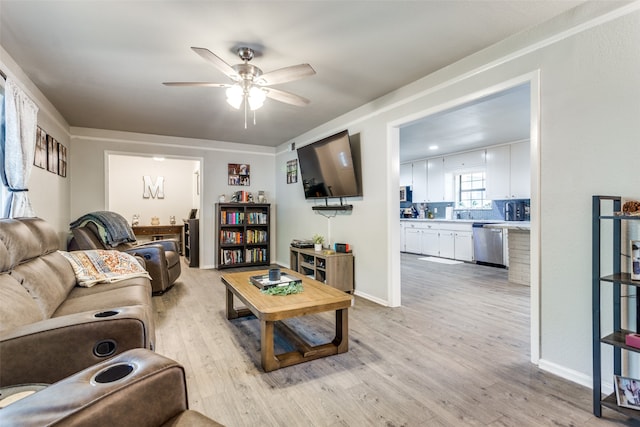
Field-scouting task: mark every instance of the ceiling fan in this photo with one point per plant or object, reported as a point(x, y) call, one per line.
point(251, 86)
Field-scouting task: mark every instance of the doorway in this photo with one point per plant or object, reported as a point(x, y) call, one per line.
point(393, 132)
point(147, 187)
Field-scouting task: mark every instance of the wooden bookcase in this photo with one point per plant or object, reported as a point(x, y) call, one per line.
point(191, 242)
point(334, 269)
point(242, 234)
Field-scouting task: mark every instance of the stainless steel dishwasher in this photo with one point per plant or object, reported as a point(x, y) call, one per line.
point(487, 245)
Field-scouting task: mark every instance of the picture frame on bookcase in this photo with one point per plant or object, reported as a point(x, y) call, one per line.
point(627, 392)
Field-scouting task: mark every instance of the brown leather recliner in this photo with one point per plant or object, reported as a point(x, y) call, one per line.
point(136, 388)
point(162, 257)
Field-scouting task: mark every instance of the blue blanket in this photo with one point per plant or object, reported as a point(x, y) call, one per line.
point(114, 229)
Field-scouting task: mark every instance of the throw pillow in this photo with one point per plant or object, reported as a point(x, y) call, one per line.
point(103, 266)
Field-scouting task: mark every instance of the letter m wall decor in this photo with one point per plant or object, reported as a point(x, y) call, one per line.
point(151, 189)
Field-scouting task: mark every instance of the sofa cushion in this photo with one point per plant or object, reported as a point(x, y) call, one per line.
point(5, 262)
point(103, 266)
point(17, 308)
point(110, 298)
point(43, 279)
point(19, 242)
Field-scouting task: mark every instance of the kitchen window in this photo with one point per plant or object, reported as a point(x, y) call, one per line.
point(470, 191)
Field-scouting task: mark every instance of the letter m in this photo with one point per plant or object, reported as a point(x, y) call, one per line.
point(153, 190)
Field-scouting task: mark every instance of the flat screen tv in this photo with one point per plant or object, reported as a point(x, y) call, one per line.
point(327, 169)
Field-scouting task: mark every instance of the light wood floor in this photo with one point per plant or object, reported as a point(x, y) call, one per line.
point(456, 353)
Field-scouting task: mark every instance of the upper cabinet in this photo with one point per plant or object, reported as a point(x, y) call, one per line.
point(521, 170)
point(435, 180)
point(419, 181)
point(464, 161)
point(406, 174)
point(508, 172)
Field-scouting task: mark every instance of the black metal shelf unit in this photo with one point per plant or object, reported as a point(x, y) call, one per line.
point(616, 339)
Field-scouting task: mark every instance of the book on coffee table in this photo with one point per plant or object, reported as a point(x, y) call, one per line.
point(262, 281)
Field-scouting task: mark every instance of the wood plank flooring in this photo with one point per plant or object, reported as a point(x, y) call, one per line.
point(455, 354)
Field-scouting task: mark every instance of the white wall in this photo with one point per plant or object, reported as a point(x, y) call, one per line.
point(88, 162)
point(126, 188)
point(589, 89)
point(588, 62)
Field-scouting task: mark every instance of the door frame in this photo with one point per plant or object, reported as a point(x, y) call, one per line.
point(393, 148)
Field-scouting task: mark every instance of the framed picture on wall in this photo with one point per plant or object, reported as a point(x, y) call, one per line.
point(292, 171)
point(62, 160)
point(40, 155)
point(52, 154)
point(239, 174)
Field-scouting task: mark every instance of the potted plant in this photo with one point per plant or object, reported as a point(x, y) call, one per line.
point(318, 240)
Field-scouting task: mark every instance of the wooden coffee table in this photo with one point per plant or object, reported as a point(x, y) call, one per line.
point(270, 309)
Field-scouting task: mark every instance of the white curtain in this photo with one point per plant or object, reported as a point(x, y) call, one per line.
point(17, 146)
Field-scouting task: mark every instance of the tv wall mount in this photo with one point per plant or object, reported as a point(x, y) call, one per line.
point(328, 207)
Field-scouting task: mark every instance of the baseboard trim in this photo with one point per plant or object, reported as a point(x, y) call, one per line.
point(371, 298)
point(574, 376)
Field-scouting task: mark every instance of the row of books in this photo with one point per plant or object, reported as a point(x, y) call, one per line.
point(236, 217)
point(238, 238)
point(231, 217)
point(231, 237)
point(256, 255)
point(257, 236)
point(237, 256)
point(257, 217)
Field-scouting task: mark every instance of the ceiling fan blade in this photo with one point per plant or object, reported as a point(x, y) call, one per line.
point(200, 84)
point(216, 61)
point(286, 74)
point(286, 97)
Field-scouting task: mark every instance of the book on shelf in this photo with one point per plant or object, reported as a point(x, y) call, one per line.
point(231, 217)
point(262, 281)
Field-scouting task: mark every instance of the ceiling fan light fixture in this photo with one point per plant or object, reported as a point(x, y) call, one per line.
point(256, 98)
point(235, 96)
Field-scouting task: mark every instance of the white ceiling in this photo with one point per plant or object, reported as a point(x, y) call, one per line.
point(102, 63)
point(499, 118)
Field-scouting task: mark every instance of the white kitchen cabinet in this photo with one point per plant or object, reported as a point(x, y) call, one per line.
point(406, 174)
point(402, 249)
point(508, 172)
point(435, 180)
point(520, 170)
point(464, 245)
point(446, 239)
point(430, 241)
point(413, 240)
point(419, 181)
point(464, 161)
point(498, 173)
point(447, 244)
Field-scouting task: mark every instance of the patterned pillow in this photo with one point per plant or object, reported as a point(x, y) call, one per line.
point(103, 266)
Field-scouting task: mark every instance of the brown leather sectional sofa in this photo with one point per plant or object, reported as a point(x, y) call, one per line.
point(49, 327)
point(87, 351)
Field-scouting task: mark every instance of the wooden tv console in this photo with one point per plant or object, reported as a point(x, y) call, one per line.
point(334, 269)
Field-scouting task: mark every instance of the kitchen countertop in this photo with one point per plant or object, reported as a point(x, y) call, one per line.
point(490, 223)
point(512, 225)
point(461, 221)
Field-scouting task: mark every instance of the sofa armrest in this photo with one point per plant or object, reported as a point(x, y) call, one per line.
point(167, 245)
point(137, 388)
point(49, 350)
point(155, 261)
